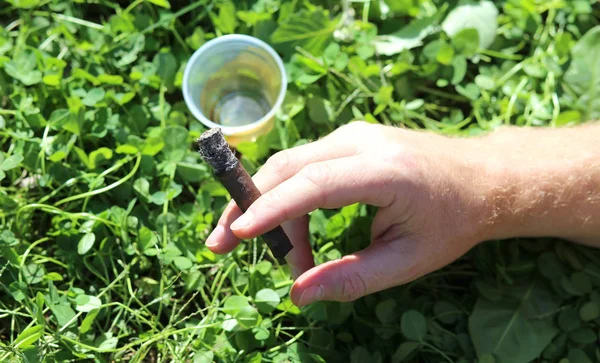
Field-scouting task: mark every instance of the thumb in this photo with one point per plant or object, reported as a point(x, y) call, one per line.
point(378, 267)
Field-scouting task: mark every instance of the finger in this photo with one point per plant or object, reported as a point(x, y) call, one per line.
point(327, 184)
point(300, 259)
point(376, 268)
point(278, 169)
point(287, 163)
point(222, 240)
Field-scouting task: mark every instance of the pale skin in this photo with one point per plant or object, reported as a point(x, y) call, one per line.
point(437, 198)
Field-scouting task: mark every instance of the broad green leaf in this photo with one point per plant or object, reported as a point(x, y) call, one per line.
point(510, 329)
point(320, 110)
point(385, 311)
point(153, 146)
point(106, 341)
point(53, 276)
point(550, 266)
point(404, 351)
point(263, 267)
point(17, 289)
point(568, 118)
point(226, 21)
point(99, 155)
point(583, 74)
point(251, 18)
point(93, 96)
point(12, 162)
point(196, 39)
point(414, 325)
point(5, 45)
point(33, 273)
point(466, 41)
point(470, 91)
point(158, 198)
point(578, 355)
point(8, 238)
point(446, 312)
point(28, 337)
point(122, 98)
point(63, 314)
point(581, 282)
point(234, 304)
point(589, 311)
point(194, 280)
point(183, 263)
point(261, 333)
point(485, 82)
point(175, 139)
point(408, 37)
point(24, 68)
point(568, 320)
point(87, 303)
point(266, 300)
point(142, 186)
point(479, 15)
point(445, 54)
point(204, 356)
point(166, 66)
point(247, 317)
point(87, 322)
point(583, 336)
point(86, 243)
point(360, 354)
point(310, 30)
point(52, 80)
point(288, 306)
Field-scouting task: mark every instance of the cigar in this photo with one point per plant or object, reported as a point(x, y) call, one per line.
point(215, 151)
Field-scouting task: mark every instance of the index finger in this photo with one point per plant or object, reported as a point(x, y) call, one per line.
point(328, 184)
point(276, 170)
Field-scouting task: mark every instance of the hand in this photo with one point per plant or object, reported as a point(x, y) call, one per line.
point(428, 196)
point(437, 197)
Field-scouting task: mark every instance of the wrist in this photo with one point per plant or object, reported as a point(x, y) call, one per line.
point(537, 184)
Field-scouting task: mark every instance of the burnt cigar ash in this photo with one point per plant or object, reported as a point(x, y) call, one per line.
point(215, 151)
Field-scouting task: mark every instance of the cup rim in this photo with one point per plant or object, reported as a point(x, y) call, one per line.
point(231, 130)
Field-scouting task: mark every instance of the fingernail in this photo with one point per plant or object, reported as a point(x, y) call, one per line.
point(243, 221)
point(213, 238)
point(310, 295)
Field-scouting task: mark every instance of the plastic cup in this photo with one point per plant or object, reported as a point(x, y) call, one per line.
point(236, 83)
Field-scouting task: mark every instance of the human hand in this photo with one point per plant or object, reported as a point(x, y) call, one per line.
point(437, 198)
point(429, 192)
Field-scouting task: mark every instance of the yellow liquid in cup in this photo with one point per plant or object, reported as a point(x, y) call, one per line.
point(241, 92)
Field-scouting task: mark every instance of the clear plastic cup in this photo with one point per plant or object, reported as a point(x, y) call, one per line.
point(236, 83)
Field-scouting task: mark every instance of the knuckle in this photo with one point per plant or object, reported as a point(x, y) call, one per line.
point(318, 175)
point(280, 161)
point(395, 154)
point(272, 199)
point(353, 287)
point(401, 156)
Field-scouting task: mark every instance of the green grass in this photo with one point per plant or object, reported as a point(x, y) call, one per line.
point(105, 205)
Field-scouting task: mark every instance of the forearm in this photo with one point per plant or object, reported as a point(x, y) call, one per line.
point(544, 182)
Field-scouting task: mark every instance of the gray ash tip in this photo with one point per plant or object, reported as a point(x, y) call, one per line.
point(214, 149)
